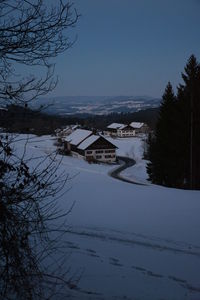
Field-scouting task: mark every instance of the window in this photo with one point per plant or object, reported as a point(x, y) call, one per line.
point(99, 151)
point(108, 156)
point(109, 151)
point(89, 152)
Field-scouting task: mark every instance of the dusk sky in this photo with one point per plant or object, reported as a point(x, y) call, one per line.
point(129, 47)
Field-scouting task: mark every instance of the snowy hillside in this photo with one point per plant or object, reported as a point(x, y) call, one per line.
point(128, 241)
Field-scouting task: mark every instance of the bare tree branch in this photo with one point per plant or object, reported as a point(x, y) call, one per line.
point(32, 33)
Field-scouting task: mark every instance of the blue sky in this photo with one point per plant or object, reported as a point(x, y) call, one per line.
point(129, 47)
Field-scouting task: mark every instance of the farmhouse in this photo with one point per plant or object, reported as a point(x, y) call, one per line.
point(140, 127)
point(83, 143)
point(123, 130)
point(120, 130)
point(62, 133)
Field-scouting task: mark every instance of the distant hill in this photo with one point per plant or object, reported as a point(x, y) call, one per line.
point(96, 105)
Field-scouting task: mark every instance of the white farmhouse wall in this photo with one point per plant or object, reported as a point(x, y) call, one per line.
point(125, 133)
point(104, 155)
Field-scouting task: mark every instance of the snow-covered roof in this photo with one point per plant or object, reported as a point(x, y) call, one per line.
point(74, 127)
point(88, 141)
point(116, 126)
point(77, 136)
point(137, 124)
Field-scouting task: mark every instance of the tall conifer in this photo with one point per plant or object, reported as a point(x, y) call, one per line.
point(189, 125)
point(174, 152)
point(162, 168)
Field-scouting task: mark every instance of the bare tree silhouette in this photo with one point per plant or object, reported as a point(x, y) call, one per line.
point(32, 33)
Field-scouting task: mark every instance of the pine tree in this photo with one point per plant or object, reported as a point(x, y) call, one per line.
point(174, 152)
point(189, 123)
point(196, 134)
point(162, 167)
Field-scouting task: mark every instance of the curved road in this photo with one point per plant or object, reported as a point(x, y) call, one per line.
point(125, 162)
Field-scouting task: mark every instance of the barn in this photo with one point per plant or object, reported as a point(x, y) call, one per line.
point(83, 143)
point(140, 127)
point(120, 130)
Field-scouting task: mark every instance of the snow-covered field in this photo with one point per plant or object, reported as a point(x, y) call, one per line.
point(128, 241)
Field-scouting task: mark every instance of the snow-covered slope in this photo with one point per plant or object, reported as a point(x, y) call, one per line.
point(128, 241)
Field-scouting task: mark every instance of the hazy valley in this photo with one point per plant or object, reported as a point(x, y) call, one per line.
point(96, 105)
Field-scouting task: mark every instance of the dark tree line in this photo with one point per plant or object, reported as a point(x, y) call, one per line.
point(149, 116)
point(18, 119)
point(174, 149)
point(24, 120)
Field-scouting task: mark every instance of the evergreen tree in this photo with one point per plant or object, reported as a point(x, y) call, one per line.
point(162, 168)
point(189, 123)
point(174, 152)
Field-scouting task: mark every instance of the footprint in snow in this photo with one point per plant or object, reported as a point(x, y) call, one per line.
point(115, 262)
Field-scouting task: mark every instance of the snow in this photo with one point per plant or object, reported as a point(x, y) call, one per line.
point(88, 141)
point(137, 173)
point(116, 126)
point(134, 148)
point(73, 127)
point(130, 147)
point(78, 136)
point(137, 124)
point(128, 241)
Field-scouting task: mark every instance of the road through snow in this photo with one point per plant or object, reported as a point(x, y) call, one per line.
point(125, 163)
